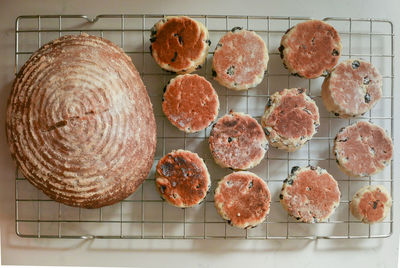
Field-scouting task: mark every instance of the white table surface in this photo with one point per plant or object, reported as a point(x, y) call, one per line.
point(173, 253)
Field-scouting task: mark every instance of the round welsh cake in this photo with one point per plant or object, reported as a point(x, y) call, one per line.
point(352, 88)
point(237, 141)
point(291, 119)
point(190, 102)
point(179, 44)
point(310, 49)
point(362, 149)
point(80, 123)
point(182, 178)
point(310, 194)
point(243, 199)
point(240, 59)
point(371, 203)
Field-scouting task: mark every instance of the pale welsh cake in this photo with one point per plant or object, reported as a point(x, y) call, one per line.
point(352, 88)
point(371, 203)
point(362, 149)
point(240, 59)
point(310, 194)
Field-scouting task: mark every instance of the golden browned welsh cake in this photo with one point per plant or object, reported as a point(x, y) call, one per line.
point(182, 178)
point(310, 49)
point(237, 141)
point(291, 118)
point(80, 123)
point(179, 44)
point(242, 199)
point(190, 102)
point(310, 194)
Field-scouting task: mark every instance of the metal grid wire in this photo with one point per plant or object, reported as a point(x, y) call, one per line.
point(144, 214)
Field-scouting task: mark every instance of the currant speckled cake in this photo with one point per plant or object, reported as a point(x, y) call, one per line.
point(352, 88)
point(310, 49)
point(237, 141)
point(362, 149)
point(371, 203)
point(291, 118)
point(240, 59)
point(310, 194)
point(243, 199)
point(179, 44)
point(182, 178)
point(190, 102)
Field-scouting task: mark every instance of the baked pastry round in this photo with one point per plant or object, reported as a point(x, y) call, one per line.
point(243, 199)
point(310, 194)
point(240, 59)
point(80, 123)
point(237, 141)
point(182, 178)
point(352, 88)
point(291, 119)
point(190, 102)
point(310, 49)
point(179, 44)
point(371, 204)
point(362, 149)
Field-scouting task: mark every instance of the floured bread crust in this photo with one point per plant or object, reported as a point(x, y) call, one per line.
point(80, 123)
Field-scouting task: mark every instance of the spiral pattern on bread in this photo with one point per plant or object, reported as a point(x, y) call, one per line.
point(80, 123)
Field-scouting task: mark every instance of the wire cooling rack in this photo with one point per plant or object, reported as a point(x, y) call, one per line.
point(144, 214)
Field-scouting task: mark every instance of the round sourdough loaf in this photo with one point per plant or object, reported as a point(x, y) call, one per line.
point(80, 123)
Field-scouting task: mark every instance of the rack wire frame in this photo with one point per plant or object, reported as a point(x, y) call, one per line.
point(37, 226)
